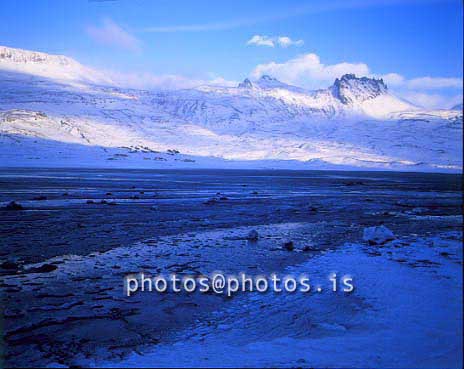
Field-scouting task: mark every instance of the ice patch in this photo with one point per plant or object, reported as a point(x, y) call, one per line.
point(378, 235)
point(398, 316)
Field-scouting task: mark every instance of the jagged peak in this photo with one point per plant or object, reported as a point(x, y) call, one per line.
point(364, 79)
point(268, 82)
point(245, 84)
point(349, 88)
point(264, 82)
point(267, 77)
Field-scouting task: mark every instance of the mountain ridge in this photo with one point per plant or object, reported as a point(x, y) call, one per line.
point(356, 122)
point(54, 66)
point(20, 57)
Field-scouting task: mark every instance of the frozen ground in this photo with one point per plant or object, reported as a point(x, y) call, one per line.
point(406, 312)
point(63, 289)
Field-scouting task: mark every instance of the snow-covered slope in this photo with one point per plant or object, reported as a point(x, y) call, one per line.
point(51, 101)
point(57, 67)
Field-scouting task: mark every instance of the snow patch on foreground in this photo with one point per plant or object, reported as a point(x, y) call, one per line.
point(405, 312)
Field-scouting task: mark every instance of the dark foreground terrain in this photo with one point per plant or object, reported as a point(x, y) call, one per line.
point(75, 234)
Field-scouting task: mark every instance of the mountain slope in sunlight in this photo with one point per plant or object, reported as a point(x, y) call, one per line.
point(355, 123)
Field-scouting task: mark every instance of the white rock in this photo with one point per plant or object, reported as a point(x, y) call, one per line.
point(378, 235)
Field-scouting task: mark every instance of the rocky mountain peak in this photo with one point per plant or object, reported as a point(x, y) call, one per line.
point(350, 88)
point(267, 77)
point(245, 84)
point(268, 82)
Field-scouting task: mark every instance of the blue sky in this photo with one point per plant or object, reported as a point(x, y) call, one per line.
point(415, 44)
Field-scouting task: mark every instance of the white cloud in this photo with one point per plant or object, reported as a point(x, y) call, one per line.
point(435, 83)
point(282, 41)
point(307, 71)
point(111, 34)
point(285, 41)
point(393, 79)
point(164, 81)
point(261, 41)
point(422, 83)
point(417, 90)
point(220, 81)
point(431, 101)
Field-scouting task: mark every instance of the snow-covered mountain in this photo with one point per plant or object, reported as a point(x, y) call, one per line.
point(57, 67)
point(54, 111)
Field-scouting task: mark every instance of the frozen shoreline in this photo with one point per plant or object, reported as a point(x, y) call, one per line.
point(65, 302)
point(399, 316)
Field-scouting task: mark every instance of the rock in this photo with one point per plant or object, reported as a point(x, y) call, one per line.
point(288, 245)
point(210, 202)
point(223, 198)
point(13, 205)
point(418, 210)
point(40, 198)
point(404, 204)
point(253, 235)
point(378, 235)
point(308, 248)
point(333, 327)
point(10, 265)
point(89, 202)
point(113, 203)
point(45, 268)
point(354, 183)
point(154, 207)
